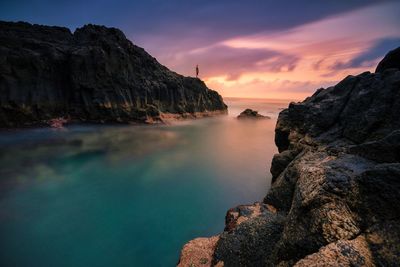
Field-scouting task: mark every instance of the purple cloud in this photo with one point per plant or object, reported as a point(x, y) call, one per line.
point(221, 60)
point(375, 52)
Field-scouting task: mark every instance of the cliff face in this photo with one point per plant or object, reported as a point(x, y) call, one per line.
point(335, 194)
point(94, 74)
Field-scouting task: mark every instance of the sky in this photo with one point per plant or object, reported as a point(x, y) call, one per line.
point(249, 48)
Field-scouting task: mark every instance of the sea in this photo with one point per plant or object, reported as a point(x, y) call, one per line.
point(119, 195)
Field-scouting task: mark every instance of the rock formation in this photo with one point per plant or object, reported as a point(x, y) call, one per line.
point(390, 61)
point(94, 74)
point(335, 194)
point(251, 114)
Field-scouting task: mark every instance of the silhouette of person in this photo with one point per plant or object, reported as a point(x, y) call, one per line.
point(197, 71)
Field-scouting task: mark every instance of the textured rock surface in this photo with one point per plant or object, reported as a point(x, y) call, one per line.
point(251, 114)
point(94, 74)
point(336, 182)
point(391, 60)
point(198, 252)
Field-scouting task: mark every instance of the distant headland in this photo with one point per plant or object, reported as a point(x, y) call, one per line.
point(92, 75)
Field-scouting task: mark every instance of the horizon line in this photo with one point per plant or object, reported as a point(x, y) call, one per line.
point(261, 98)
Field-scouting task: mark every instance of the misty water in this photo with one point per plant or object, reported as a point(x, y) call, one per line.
point(128, 195)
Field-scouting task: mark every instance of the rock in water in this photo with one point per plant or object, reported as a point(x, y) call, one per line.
point(251, 114)
point(94, 74)
point(335, 194)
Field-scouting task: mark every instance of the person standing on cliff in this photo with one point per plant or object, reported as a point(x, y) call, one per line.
point(197, 71)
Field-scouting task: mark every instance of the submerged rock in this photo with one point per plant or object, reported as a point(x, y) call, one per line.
point(94, 74)
point(251, 114)
point(336, 182)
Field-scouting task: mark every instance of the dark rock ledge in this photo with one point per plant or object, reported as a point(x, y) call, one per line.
point(92, 75)
point(335, 194)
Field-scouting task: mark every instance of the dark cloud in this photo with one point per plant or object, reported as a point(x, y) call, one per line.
point(219, 19)
point(377, 51)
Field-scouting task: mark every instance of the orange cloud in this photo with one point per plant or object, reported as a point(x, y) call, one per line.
point(292, 63)
point(324, 52)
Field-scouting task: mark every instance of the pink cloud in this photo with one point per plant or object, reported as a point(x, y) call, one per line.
point(280, 62)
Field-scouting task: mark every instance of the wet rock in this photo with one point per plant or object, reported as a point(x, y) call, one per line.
point(94, 74)
point(57, 122)
point(251, 114)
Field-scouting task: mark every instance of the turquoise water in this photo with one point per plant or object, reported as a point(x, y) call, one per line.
point(127, 195)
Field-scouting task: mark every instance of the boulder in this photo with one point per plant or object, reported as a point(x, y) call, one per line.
point(251, 114)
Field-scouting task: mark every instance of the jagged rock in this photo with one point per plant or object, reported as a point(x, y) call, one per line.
point(199, 252)
point(281, 161)
point(94, 74)
point(242, 213)
point(252, 240)
point(336, 182)
point(251, 114)
point(391, 60)
point(341, 253)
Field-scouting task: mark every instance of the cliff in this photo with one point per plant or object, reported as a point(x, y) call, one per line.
point(94, 74)
point(335, 193)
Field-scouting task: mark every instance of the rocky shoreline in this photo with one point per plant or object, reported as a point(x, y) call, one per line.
point(334, 198)
point(92, 75)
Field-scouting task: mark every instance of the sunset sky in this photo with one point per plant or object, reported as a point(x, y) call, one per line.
point(258, 49)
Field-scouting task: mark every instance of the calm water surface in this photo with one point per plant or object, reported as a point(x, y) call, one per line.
point(128, 195)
